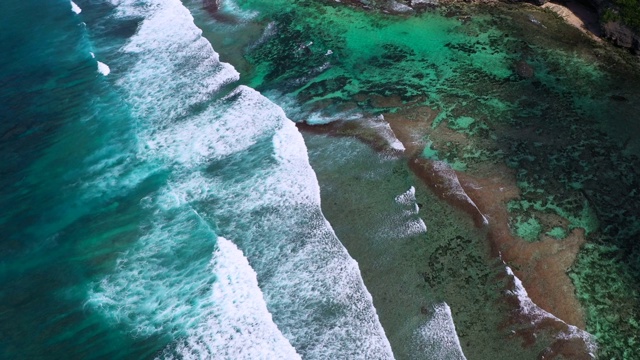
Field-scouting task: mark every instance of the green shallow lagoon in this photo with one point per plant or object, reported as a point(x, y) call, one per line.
point(567, 129)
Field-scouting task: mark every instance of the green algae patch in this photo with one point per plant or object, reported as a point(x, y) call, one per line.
point(432, 154)
point(324, 51)
point(429, 152)
point(467, 125)
point(557, 232)
point(461, 123)
point(606, 285)
point(529, 229)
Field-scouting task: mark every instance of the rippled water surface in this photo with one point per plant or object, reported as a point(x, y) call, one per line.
point(158, 202)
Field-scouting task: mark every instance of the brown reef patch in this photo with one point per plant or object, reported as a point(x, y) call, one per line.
point(483, 195)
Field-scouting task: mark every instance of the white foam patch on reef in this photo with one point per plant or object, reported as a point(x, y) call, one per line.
point(269, 31)
point(454, 187)
point(438, 337)
point(293, 111)
point(533, 311)
point(75, 8)
point(231, 7)
point(408, 198)
point(384, 129)
point(103, 68)
point(413, 224)
point(237, 164)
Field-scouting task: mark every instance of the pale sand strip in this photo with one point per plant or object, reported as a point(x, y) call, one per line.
point(579, 16)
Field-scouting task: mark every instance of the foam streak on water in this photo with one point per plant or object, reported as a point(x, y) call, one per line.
point(75, 8)
point(438, 335)
point(413, 225)
point(538, 315)
point(240, 301)
point(103, 68)
point(237, 168)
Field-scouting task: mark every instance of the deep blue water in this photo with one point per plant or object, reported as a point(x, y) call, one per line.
point(58, 115)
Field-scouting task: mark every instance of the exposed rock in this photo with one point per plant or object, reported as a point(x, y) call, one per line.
point(420, 4)
point(540, 2)
point(618, 98)
point(212, 6)
point(536, 21)
point(524, 70)
point(588, 13)
point(622, 35)
point(400, 8)
point(582, 16)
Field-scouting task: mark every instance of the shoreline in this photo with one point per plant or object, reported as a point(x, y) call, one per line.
point(578, 16)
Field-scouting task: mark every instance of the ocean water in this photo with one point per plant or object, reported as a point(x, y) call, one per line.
point(155, 208)
point(159, 203)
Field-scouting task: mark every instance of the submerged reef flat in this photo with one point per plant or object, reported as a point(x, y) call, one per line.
point(535, 121)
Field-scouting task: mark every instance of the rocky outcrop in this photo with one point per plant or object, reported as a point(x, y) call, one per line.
point(524, 70)
point(211, 6)
point(539, 2)
point(622, 35)
point(612, 24)
point(423, 4)
point(399, 8)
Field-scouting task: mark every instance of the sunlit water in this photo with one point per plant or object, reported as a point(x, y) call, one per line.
point(154, 207)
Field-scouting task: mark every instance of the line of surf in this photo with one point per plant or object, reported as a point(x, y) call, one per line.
point(242, 165)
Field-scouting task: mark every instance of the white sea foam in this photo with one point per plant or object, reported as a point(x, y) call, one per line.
point(177, 68)
point(269, 31)
point(408, 198)
point(217, 312)
point(437, 338)
point(382, 127)
point(238, 164)
point(141, 295)
point(292, 109)
point(230, 6)
point(103, 68)
point(271, 206)
point(538, 315)
point(454, 187)
point(215, 134)
point(238, 306)
point(75, 8)
point(412, 224)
